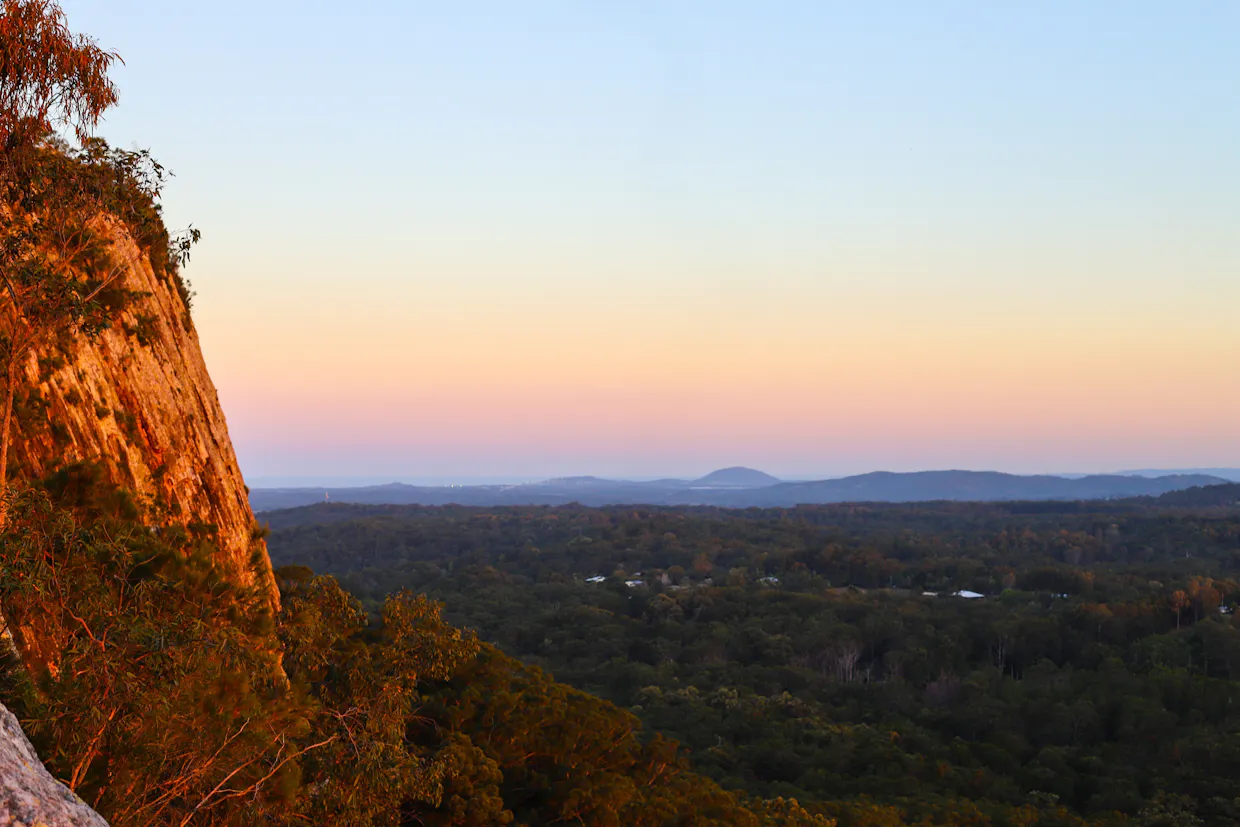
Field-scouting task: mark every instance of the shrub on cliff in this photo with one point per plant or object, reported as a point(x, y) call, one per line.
point(151, 687)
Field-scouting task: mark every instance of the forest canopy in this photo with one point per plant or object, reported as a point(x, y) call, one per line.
point(821, 653)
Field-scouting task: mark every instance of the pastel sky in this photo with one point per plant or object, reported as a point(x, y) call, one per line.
point(640, 238)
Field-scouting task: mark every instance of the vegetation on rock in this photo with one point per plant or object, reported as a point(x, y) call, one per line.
point(58, 266)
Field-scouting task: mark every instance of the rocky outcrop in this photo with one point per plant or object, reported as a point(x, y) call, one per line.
point(139, 401)
point(29, 796)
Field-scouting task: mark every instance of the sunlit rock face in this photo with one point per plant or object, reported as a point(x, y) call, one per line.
point(139, 401)
point(29, 796)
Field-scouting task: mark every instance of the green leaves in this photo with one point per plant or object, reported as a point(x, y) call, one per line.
point(366, 686)
point(419, 645)
point(149, 685)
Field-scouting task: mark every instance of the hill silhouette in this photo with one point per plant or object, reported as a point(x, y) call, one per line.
point(734, 488)
point(737, 477)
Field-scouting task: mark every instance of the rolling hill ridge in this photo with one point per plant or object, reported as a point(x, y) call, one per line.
point(743, 487)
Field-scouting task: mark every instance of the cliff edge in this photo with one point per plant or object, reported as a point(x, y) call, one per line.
point(29, 795)
point(139, 402)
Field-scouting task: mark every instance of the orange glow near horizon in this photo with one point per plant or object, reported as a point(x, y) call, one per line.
point(813, 391)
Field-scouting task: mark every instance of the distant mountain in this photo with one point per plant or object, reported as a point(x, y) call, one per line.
point(743, 488)
point(978, 486)
point(1232, 474)
point(736, 477)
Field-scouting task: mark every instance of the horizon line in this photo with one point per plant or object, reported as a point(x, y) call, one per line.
point(463, 480)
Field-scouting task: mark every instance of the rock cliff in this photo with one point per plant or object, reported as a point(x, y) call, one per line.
point(140, 403)
point(29, 796)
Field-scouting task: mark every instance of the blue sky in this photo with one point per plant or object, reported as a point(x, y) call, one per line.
point(552, 237)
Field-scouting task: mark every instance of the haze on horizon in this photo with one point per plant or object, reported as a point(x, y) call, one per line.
point(629, 239)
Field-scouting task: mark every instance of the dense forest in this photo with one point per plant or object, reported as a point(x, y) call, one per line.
point(164, 694)
point(826, 653)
